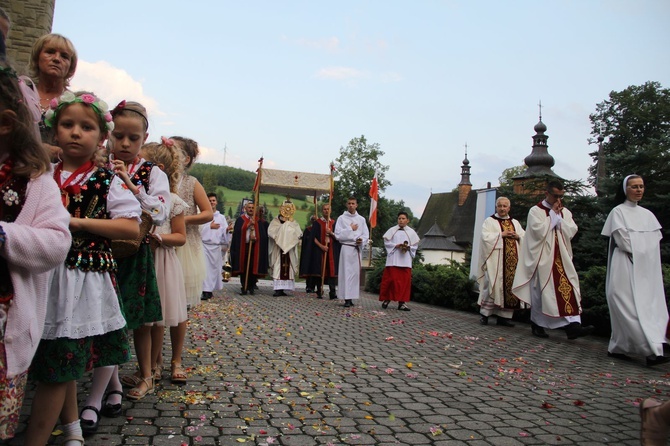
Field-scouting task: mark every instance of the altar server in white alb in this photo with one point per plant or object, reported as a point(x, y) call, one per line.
point(215, 240)
point(498, 256)
point(635, 296)
point(401, 243)
point(351, 230)
point(284, 234)
point(545, 277)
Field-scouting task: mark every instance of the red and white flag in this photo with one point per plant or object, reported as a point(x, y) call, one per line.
point(374, 197)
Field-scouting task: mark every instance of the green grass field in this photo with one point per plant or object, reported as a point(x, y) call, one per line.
point(234, 197)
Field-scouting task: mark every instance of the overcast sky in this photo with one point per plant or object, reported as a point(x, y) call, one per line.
point(294, 81)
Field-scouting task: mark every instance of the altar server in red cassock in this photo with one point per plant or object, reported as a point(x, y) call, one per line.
point(401, 243)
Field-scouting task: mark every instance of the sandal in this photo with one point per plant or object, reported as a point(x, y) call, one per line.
point(111, 410)
point(132, 380)
point(178, 374)
point(385, 304)
point(136, 393)
point(158, 373)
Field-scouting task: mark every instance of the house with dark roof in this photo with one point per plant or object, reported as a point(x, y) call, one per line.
point(447, 223)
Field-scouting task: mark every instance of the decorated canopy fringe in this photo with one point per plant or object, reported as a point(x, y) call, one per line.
point(287, 182)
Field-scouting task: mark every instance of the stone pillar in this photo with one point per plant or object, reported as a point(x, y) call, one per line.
point(30, 20)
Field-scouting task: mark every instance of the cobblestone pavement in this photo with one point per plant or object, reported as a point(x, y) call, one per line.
point(301, 371)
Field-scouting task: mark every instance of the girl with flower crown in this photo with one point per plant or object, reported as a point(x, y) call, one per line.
point(34, 238)
point(84, 325)
point(169, 271)
point(136, 275)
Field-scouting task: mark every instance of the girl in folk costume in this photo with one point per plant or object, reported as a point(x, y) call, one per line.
point(169, 271)
point(34, 238)
point(191, 255)
point(84, 326)
point(137, 279)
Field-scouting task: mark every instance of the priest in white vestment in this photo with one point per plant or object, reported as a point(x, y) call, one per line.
point(634, 289)
point(498, 255)
point(284, 234)
point(215, 239)
point(401, 243)
point(545, 276)
point(351, 230)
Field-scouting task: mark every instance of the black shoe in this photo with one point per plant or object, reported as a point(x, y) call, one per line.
point(348, 303)
point(244, 292)
point(319, 295)
point(111, 410)
point(538, 331)
point(206, 295)
point(504, 322)
point(403, 307)
point(277, 293)
point(575, 330)
point(333, 296)
point(484, 320)
point(309, 290)
point(89, 427)
point(619, 356)
point(385, 304)
point(653, 360)
point(252, 290)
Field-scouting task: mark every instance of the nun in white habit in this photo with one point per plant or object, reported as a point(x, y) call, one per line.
point(634, 287)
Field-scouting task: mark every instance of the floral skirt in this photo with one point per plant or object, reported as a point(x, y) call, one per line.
point(63, 359)
point(12, 390)
point(139, 290)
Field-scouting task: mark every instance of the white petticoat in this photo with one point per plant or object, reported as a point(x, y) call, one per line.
point(81, 304)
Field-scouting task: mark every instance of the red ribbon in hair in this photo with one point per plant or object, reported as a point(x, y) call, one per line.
point(119, 108)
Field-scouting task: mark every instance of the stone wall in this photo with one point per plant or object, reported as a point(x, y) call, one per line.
point(30, 20)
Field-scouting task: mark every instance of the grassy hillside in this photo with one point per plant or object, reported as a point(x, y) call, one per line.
point(234, 197)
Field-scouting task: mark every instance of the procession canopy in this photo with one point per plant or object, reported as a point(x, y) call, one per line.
point(286, 182)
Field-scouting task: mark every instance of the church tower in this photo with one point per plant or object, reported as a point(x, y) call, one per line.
point(464, 187)
point(539, 163)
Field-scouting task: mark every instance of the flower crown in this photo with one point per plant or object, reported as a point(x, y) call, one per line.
point(98, 105)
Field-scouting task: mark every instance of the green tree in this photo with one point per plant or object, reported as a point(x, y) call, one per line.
point(209, 182)
point(506, 178)
point(635, 125)
point(354, 169)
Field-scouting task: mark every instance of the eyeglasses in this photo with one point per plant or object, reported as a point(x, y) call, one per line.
point(557, 195)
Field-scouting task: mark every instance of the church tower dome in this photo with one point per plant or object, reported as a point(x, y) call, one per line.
point(539, 162)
